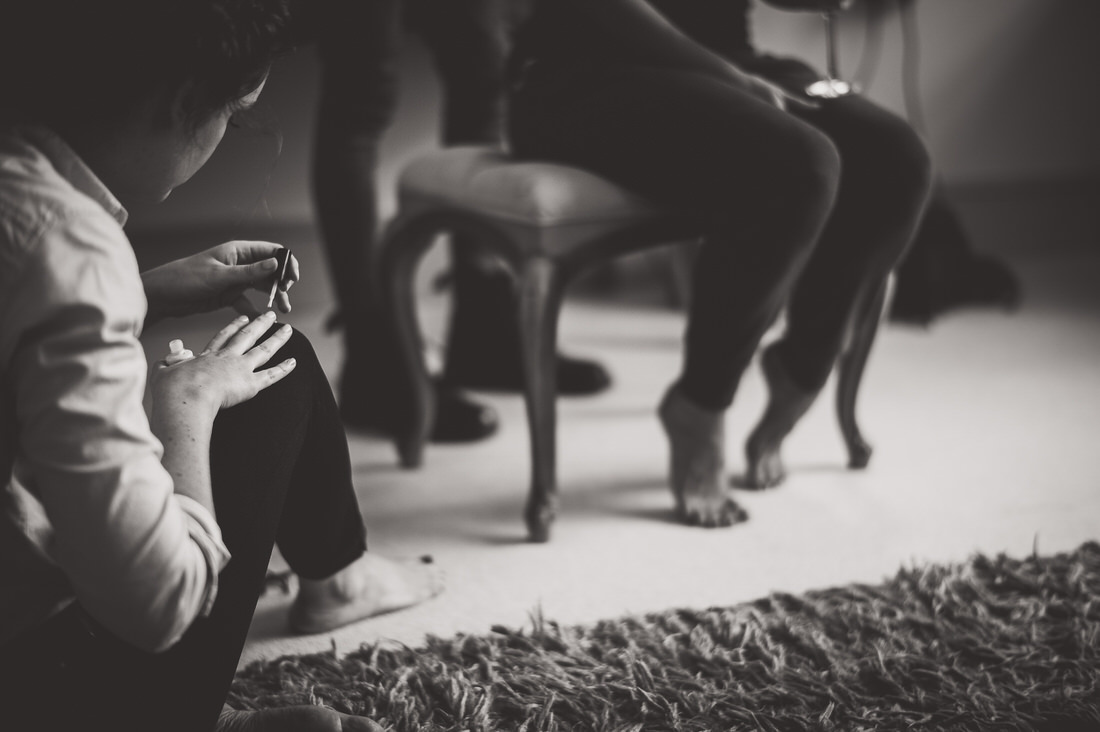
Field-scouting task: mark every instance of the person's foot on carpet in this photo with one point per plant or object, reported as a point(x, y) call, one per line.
point(458, 418)
point(787, 403)
point(696, 440)
point(371, 585)
point(303, 718)
point(575, 376)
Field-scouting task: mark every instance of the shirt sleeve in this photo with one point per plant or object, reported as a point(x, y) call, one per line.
point(142, 560)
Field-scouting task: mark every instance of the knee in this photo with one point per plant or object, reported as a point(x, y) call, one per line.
point(806, 175)
point(895, 166)
point(288, 403)
point(798, 191)
point(298, 346)
point(308, 373)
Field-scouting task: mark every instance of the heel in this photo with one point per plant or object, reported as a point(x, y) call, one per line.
point(410, 452)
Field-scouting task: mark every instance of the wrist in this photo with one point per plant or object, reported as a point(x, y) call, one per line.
point(153, 310)
point(187, 402)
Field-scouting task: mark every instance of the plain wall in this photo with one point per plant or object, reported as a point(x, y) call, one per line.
point(1007, 87)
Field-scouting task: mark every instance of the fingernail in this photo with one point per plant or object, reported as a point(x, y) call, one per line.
point(270, 265)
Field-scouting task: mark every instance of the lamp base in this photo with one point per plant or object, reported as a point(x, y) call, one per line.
point(831, 89)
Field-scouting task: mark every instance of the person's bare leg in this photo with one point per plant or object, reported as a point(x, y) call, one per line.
point(787, 403)
point(293, 719)
point(369, 586)
point(696, 440)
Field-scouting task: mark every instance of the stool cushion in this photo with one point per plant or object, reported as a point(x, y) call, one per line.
point(487, 182)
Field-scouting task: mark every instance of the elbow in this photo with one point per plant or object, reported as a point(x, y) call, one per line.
point(163, 612)
point(160, 637)
point(172, 612)
point(158, 633)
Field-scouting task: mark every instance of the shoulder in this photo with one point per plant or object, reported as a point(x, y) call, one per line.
point(37, 200)
point(59, 248)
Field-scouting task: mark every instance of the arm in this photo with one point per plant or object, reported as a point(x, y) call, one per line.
point(139, 559)
point(187, 396)
point(141, 552)
point(218, 277)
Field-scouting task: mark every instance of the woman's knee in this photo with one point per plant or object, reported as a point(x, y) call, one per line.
point(298, 347)
point(277, 414)
point(796, 190)
point(299, 387)
point(892, 164)
point(804, 173)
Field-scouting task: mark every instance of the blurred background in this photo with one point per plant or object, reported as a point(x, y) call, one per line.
point(1005, 93)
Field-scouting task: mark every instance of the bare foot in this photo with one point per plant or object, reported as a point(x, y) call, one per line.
point(787, 402)
point(698, 462)
point(369, 586)
point(294, 719)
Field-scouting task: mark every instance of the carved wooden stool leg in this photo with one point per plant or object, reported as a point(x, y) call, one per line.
point(403, 247)
point(850, 372)
point(540, 294)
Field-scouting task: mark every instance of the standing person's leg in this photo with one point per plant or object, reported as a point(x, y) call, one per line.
point(358, 45)
point(761, 181)
point(470, 40)
point(359, 48)
point(883, 190)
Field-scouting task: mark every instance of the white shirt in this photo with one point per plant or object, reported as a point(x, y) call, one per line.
point(87, 511)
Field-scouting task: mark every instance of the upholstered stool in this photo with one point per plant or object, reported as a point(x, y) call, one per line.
point(545, 222)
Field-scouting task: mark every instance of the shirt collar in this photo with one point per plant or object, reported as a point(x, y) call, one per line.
point(69, 165)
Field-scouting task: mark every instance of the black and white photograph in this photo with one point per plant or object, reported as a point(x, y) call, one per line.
point(549, 365)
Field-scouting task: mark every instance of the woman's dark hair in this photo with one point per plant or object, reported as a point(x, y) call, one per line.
point(73, 62)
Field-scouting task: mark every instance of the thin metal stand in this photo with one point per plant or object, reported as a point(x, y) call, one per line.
point(831, 87)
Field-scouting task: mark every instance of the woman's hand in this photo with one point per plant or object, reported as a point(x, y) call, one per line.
point(224, 374)
point(776, 95)
point(216, 278)
point(821, 6)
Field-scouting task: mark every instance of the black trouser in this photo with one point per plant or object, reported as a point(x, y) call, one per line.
point(359, 48)
point(281, 473)
point(805, 210)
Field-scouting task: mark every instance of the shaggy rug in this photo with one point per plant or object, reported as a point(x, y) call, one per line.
point(988, 644)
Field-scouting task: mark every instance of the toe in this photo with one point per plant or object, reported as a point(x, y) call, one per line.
point(734, 514)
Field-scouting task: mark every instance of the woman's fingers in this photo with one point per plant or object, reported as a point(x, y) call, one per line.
point(264, 352)
point(245, 338)
point(267, 377)
point(292, 274)
point(282, 301)
point(222, 336)
point(798, 102)
point(241, 337)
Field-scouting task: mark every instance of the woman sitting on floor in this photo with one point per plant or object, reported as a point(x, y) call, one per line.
point(133, 549)
point(804, 207)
